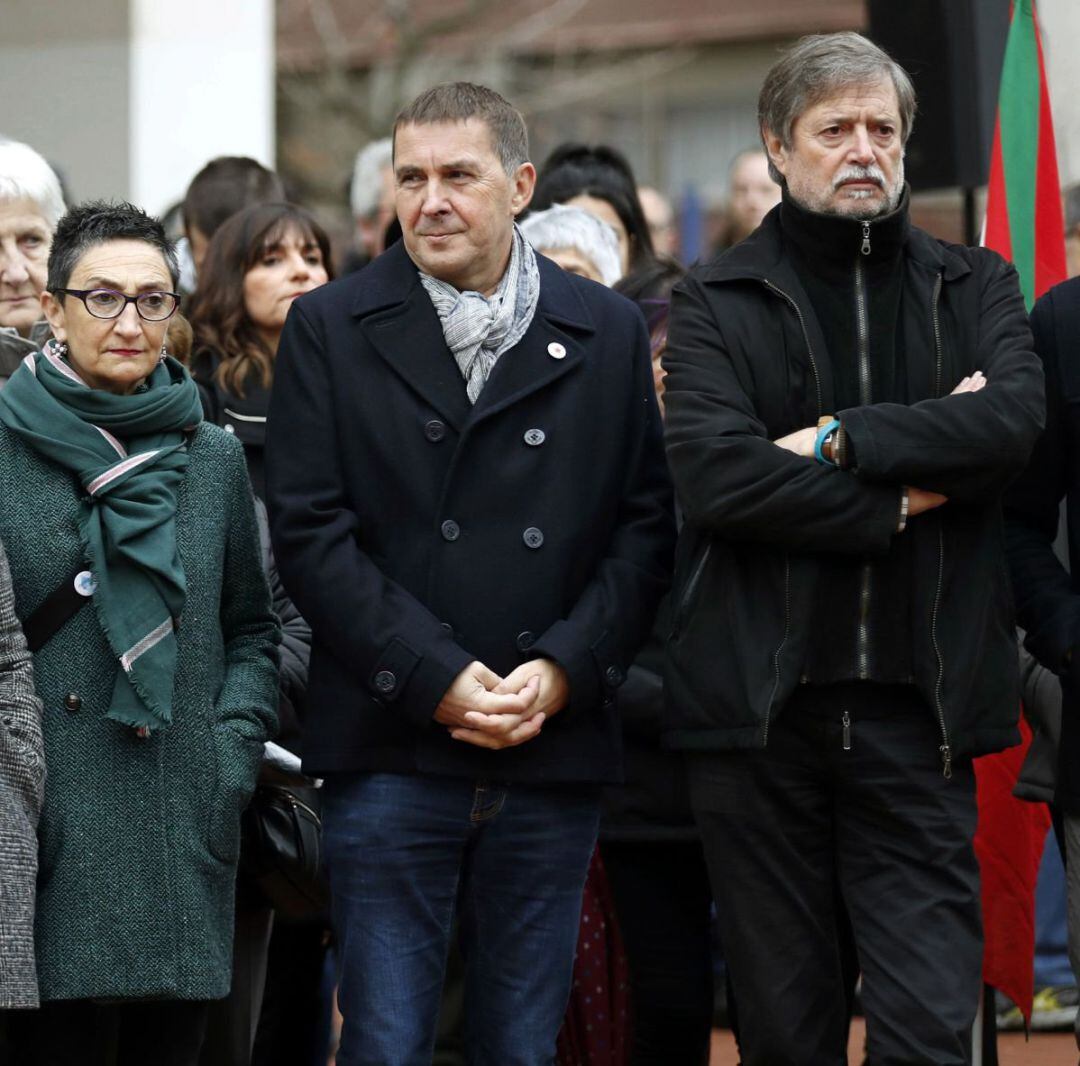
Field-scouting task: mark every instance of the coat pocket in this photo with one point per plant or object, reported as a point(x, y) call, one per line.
point(237, 759)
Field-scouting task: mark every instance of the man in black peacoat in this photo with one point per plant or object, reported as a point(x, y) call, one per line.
point(450, 556)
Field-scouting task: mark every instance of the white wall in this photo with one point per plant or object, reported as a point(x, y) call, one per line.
point(202, 85)
point(129, 98)
point(1060, 21)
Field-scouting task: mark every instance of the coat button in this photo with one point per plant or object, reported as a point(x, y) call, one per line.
point(533, 537)
point(450, 530)
point(525, 640)
point(435, 430)
point(614, 676)
point(73, 702)
point(557, 350)
point(385, 682)
point(535, 437)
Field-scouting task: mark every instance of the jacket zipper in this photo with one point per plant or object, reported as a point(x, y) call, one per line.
point(939, 705)
point(862, 326)
point(789, 300)
point(691, 585)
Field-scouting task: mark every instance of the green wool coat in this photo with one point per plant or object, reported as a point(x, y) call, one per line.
point(139, 838)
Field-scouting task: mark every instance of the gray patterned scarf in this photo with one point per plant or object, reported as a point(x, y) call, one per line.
point(477, 328)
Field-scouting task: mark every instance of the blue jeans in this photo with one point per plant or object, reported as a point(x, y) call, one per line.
point(401, 851)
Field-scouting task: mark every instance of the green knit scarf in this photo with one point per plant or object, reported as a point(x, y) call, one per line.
point(129, 454)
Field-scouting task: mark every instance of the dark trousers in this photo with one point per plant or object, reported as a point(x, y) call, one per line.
point(785, 826)
point(663, 903)
point(232, 1021)
point(82, 1033)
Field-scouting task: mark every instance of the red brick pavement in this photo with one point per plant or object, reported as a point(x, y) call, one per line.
point(1043, 1049)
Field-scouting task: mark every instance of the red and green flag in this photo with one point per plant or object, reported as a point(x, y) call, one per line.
point(1023, 205)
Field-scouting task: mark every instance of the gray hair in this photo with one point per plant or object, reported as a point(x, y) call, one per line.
point(366, 187)
point(573, 227)
point(1072, 207)
point(460, 101)
point(24, 175)
point(817, 67)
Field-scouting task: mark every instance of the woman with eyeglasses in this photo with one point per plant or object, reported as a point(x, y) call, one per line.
point(134, 557)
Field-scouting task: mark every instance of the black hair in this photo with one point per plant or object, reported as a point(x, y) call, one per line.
point(223, 187)
point(650, 288)
point(604, 173)
point(98, 222)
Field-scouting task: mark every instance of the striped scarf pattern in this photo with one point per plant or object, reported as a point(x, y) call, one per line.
point(129, 453)
point(477, 328)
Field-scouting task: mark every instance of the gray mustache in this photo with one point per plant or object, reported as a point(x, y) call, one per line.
point(871, 173)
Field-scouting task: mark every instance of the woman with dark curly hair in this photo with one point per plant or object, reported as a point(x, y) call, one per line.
point(258, 262)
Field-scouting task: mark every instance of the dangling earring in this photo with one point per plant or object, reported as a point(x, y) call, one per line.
point(60, 348)
point(164, 354)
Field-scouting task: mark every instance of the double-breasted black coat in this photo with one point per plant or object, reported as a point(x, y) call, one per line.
point(417, 532)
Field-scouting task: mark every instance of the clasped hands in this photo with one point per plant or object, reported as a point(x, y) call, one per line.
point(802, 441)
point(494, 712)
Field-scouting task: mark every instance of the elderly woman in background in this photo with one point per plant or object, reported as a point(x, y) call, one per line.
point(577, 240)
point(135, 562)
point(259, 261)
point(31, 204)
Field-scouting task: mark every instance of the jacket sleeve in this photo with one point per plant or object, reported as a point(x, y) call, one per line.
point(295, 635)
point(22, 748)
point(968, 447)
point(1047, 605)
point(611, 619)
point(730, 478)
point(396, 646)
point(247, 700)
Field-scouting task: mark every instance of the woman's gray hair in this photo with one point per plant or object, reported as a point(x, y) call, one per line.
point(819, 66)
point(573, 227)
point(24, 175)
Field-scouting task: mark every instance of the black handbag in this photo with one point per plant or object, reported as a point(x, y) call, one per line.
point(281, 850)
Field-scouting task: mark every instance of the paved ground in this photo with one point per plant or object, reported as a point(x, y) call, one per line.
point(1044, 1049)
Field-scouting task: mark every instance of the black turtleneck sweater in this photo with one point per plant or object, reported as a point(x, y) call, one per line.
point(852, 273)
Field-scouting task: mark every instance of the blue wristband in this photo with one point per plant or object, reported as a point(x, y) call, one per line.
point(820, 440)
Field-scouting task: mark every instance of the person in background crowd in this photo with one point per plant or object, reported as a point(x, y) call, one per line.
point(445, 429)
point(1047, 601)
point(218, 191)
point(652, 853)
point(371, 199)
point(1072, 228)
point(22, 786)
point(141, 519)
point(598, 179)
point(752, 194)
point(258, 263)
point(660, 216)
point(31, 203)
point(846, 401)
point(577, 240)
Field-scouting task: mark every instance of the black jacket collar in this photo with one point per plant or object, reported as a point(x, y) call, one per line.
point(761, 257)
point(399, 319)
point(392, 279)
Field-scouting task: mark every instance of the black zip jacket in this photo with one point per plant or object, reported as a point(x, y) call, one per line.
point(746, 363)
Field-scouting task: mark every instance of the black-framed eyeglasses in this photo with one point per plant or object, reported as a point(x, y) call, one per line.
point(108, 303)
